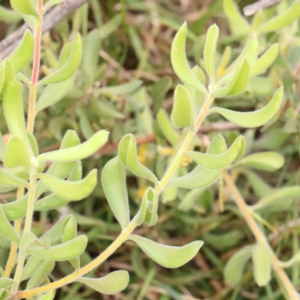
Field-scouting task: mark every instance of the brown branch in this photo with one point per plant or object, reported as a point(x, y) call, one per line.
point(54, 16)
point(253, 8)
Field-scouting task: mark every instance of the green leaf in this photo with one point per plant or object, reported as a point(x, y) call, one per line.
point(261, 258)
point(25, 7)
point(286, 264)
point(255, 118)
point(213, 161)
point(234, 269)
point(281, 20)
point(110, 284)
point(50, 202)
point(209, 53)
point(62, 252)
point(113, 180)
point(151, 199)
point(190, 198)
point(128, 155)
point(235, 17)
point(13, 109)
point(7, 178)
point(166, 127)
point(31, 266)
point(71, 190)
point(53, 93)
point(265, 61)
point(4, 294)
point(182, 112)
point(41, 273)
point(6, 230)
point(2, 147)
point(167, 256)
point(16, 154)
point(7, 74)
point(266, 161)
point(122, 89)
point(8, 15)
point(105, 109)
point(180, 63)
point(48, 296)
point(276, 196)
point(79, 152)
point(70, 66)
point(16, 210)
point(5, 282)
point(51, 3)
point(22, 55)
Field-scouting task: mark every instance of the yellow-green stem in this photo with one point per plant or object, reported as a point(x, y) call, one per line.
point(260, 238)
point(14, 247)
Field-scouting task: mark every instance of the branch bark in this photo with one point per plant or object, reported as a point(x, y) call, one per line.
point(253, 8)
point(54, 16)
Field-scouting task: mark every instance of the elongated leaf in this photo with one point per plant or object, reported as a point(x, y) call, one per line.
point(128, 155)
point(167, 256)
point(79, 152)
point(70, 66)
point(50, 202)
point(13, 109)
point(16, 210)
point(166, 127)
point(267, 161)
point(234, 268)
point(24, 7)
point(209, 53)
point(255, 118)
point(180, 63)
point(190, 199)
point(6, 230)
point(8, 15)
point(281, 20)
point(182, 112)
point(62, 252)
point(114, 185)
point(110, 284)
point(22, 55)
point(261, 258)
point(72, 190)
point(5, 282)
point(7, 178)
point(265, 61)
point(16, 154)
point(4, 294)
point(286, 264)
point(126, 88)
point(48, 296)
point(233, 14)
point(212, 161)
point(151, 199)
point(276, 196)
point(31, 266)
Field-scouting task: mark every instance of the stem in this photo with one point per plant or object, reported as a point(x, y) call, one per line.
point(35, 69)
point(89, 267)
point(260, 238)
point(14, 247)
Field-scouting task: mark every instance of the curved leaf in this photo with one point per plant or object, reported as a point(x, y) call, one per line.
point(24, 7)
point(166, 127)
point(110, 284)
point(167, 256)
point(6, 230)
point(7, 178)
point(50, 202)
point(16, 210)
point(72, 190)
point(255, 118)
point(261, 258)
point(180, 63)
point(79, 152)
point(4, 282)
point(113, 180)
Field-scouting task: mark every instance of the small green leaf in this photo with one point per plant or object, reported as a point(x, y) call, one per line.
point(114, 185)
point(5, 282)
point(209, 53)
point(180, 63)
point(16, 210)
point(6, 230)
point(213, 161)
point(167, 256)
point(234, 269)
point(4, 294)
point(31, 266)
point(110, 284)
point(182, 112)
point(281, 20)
point(62, 252)
point(16, 154)
point(255, 118)
point(22, 55)
point(235, 17)
point(266, 161)
point(122, 89)
point(151, 199)
point(72, 190)
point(25, 7)
point(190, 198)
point(48, 296)
point(286, 264)
point(128, 155)
point(265, 61)
point(50, 202)
point(261, 258)
point(13, 109)
point(166, 127)
point(70, 66)
point(8, 15)
point(79, 152)
point(7, 178)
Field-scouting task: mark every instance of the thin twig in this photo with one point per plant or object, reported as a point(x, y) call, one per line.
point(54, 16)
point(253, 8)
